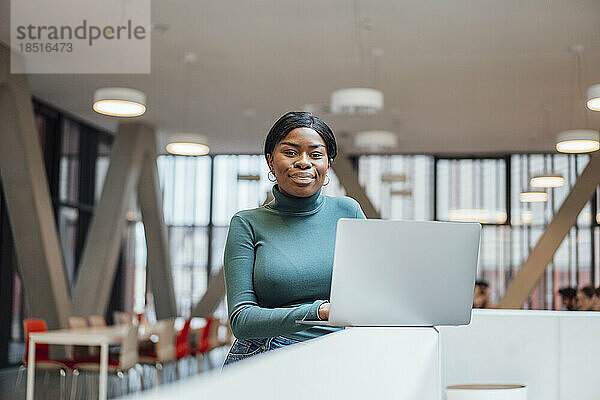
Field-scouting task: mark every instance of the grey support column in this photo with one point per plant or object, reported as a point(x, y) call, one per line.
point(103, 244)
point(28, 201)
point(158, 264)
point(533, 268)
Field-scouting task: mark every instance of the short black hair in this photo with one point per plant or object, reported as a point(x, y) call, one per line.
point(588, 291)
point(299, 119)
point(568, 292)
point(481, 282)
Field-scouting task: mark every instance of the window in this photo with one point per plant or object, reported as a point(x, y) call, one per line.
point(400, 187)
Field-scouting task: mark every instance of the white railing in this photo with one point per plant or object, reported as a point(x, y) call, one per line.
point(554, 353)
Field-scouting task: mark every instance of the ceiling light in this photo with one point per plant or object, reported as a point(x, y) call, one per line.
point(119, 102)
point(401, 192)
point(593, 97)
point(531, 196)
point(187, 144)
point(190, 57)
point(477, 215)
point(247, 177)
point(375, 140)
point(525, 218)
point(309, 108)
point(549, 180)
point(187, 149)
point(356, 101)
point(578, 141)
point(131, 216)
point(393, 178)
point(586, 217)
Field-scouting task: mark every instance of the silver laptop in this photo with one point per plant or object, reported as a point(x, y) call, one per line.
point(402, 273)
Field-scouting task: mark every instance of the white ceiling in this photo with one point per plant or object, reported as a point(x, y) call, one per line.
point(469, 76)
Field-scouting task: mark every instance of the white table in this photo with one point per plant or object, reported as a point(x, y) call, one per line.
point(102, 337)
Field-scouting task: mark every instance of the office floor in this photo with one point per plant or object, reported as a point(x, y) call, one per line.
point(51, 382)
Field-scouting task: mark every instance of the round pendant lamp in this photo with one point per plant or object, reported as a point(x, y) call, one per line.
point(525, 218)
point(356, 101)
point(578, 141)
point(187, 144)
point(533, 196)
point(593, 97)
point(486, 392)
point(547, 180)
point(119, 102)
point(477, 215)
point(375, 140)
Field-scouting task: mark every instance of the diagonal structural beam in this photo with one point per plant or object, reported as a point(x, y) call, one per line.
point(28, 201)
point(212, 298)
point(348, 177)
point(534, 267)
point(158, 261)
point(100, 255)
point(33, 222)
point(132, 166)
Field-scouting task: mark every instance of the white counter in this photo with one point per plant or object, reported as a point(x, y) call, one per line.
point(554, 353)
point(358, 363)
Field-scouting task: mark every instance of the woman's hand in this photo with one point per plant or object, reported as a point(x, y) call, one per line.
point(324, 311)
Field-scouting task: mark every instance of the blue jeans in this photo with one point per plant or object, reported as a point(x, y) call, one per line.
point(246, 348)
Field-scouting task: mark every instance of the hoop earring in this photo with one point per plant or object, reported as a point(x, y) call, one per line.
point(328, 180)
point(269, 176)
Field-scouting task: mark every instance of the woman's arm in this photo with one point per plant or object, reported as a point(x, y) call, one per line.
point(246, 317)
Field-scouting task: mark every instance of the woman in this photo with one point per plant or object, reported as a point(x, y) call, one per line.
point(278, 258)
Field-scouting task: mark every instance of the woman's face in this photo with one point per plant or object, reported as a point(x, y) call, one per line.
point(300, 163)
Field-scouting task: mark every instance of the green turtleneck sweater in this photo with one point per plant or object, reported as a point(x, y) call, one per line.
point(278, 262)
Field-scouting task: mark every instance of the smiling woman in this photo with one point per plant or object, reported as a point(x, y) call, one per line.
point(300, 162)
point(279, 258)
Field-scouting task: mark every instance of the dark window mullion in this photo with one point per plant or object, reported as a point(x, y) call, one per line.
point(209, 258)
point(7, 280)
point(88, 153)
point(552, 205)
point(593, 225)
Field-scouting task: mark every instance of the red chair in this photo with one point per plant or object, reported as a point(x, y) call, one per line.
point(208, 339)
point(182, 345)
point(203, 344)
point(42, 357)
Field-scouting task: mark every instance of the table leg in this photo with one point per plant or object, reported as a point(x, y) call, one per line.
point(103, 371)
point(31, 369)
